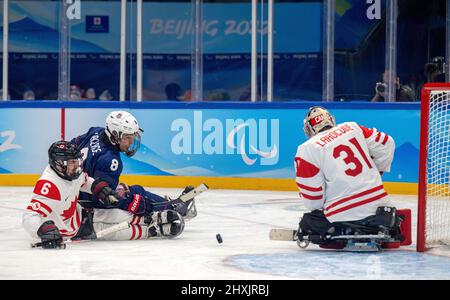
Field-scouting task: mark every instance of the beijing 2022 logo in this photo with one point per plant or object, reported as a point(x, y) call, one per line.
point(8, 144)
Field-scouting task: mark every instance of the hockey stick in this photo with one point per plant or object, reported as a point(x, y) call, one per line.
point(291, 235)
point(97, 235)
point(112, 229)
point(194, 193)
point(283, 234)
point(191, 208)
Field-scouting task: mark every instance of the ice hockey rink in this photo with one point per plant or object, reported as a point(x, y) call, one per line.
point(243, 218)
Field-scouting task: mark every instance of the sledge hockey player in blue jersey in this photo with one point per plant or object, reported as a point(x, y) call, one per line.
point(101, 148)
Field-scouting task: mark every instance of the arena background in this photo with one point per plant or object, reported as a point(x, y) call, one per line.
point(224, 138)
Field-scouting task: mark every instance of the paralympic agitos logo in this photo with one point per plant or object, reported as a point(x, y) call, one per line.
point(252, 139)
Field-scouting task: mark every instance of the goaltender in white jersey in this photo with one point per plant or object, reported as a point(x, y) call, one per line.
point(338, 169)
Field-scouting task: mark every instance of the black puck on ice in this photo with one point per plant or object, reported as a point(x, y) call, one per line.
point(219, 238)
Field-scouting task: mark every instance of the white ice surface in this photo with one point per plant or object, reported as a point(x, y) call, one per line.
point(243, 218)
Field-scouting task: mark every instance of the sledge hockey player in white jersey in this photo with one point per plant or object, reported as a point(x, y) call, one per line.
point(338, 172)
point(54, 214)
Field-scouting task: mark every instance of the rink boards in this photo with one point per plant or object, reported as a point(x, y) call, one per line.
point(228, 145)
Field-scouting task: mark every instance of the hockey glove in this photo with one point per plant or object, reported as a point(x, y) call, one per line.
point(185, 208)
point(179, 206)
point(137, 204)
point(104, 192)
point(50, 236)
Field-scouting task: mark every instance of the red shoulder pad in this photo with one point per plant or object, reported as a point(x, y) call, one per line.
point(47, 189)
point(366, 131)
point(305, 169)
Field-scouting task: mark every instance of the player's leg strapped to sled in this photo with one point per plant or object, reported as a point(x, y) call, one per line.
point(388, 228)
point(137, 200)
point(165, 224)
point(147, 214)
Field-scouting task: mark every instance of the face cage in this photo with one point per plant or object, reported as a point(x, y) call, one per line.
point(61, 169)
point(135, 146)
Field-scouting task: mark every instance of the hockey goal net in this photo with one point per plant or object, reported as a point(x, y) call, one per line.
point(433, 227)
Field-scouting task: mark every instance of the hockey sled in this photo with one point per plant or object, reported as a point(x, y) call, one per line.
point(350, 243)
point(354, 242)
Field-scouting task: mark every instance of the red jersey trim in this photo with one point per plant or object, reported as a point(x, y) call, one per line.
point(305, 169)
point(309, 188)
point(42, 205)
point(367, 132)
point(360, 203)
point(309, 197)
point(37, 211)
point(359, 195)
point(133, 229)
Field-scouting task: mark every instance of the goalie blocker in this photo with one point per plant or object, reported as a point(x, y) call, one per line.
point(389, 228)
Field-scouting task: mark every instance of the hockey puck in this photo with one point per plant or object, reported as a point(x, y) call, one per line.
point(219, 238)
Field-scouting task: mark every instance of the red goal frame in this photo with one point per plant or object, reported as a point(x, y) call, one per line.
point(423, 154)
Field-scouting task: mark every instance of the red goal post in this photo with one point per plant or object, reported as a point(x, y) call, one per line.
point(433, 225)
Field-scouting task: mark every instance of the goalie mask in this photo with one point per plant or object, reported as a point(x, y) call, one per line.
point(317, 119)
point(65, 160)
point(123, 131)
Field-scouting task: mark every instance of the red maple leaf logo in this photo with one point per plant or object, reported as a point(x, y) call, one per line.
point(70, 212)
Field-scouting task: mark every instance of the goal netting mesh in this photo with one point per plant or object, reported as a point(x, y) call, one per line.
point(437, 228)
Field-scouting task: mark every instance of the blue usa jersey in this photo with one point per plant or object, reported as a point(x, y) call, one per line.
point(100, 158)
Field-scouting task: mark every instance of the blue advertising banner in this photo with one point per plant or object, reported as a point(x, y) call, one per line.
point(167, 27)
point(252, 143)
point(25, 136)
point(217, 142)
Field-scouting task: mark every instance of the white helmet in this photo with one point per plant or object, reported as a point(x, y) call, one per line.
point(122, 122)
point(316, 120)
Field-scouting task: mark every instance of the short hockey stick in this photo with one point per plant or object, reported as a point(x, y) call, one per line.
point(194, 193)
point(97, 235)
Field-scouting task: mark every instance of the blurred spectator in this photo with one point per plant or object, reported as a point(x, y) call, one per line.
point(90, 94)
point(187, 96)
point(217, 95)
point(415, 85)
point(29, 95)
point(435, 69)
point(173, 91)
point(75, 93)
point(105, 96)
point(403, 92)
